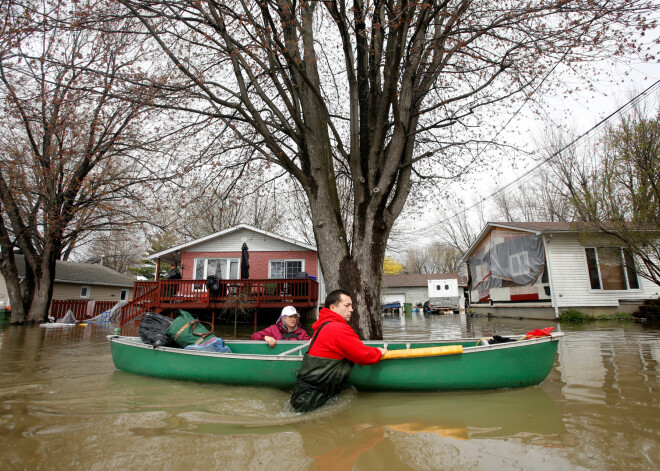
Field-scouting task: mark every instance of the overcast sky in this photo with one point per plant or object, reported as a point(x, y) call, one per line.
point(614, 85)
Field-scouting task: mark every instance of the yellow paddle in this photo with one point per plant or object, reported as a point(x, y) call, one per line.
point(423, 352)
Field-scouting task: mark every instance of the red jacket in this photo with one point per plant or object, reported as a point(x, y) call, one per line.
point(276, 331)
point(338, 341)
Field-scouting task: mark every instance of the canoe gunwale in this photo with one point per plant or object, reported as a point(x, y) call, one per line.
point(136, 343)
point(131, 342)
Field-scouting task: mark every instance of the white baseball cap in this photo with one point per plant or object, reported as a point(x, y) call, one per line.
point(289, 311)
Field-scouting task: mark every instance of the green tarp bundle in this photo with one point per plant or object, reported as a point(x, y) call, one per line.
point(186, 330)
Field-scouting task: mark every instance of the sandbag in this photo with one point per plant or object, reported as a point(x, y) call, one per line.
point(186, 330)
point(153, 330)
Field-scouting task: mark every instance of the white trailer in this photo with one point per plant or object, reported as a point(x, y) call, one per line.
point(444, 295)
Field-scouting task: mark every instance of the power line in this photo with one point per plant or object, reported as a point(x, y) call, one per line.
point(582, 136)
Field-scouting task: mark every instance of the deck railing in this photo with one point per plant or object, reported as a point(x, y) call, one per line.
point(194, 294)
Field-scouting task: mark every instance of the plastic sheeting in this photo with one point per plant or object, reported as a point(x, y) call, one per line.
point(506, 255)
point(109, 317)
point(520, 260)
point(69, 318)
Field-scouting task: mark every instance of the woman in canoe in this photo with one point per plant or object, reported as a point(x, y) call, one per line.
point(287, 327)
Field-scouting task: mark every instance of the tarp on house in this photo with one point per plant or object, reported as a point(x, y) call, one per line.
point(506, 255)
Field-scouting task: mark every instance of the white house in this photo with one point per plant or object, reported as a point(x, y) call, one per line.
point(413, 288)
point(540, 269)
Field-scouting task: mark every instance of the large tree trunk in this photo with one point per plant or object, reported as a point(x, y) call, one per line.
point(43, 294)
point(357, 269)
point(10, 273)
point(359, 273)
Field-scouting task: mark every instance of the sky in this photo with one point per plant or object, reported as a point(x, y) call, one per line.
point(615, 85)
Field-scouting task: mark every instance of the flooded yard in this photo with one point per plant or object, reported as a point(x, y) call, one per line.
point(65, 406)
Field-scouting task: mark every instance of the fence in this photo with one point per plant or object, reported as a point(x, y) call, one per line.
point(81, 308)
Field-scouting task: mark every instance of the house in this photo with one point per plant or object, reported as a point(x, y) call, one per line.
point(282, 272)
point(413, 288)
point(82, 282)
point(540, 269)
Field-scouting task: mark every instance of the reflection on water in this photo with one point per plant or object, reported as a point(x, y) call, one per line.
point(63, 406)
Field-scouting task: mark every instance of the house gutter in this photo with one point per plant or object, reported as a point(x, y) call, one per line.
point(546, 242)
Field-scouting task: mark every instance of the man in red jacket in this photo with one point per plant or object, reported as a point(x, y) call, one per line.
point(332, 352)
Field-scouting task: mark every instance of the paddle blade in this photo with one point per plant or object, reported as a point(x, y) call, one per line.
point(423, 352)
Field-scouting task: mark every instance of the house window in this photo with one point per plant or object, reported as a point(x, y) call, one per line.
point(123, 296)
point(519, 263)
point(607, 270)
point(631, 271)
point(84, 291)
point(285, 268)
point(223, 268)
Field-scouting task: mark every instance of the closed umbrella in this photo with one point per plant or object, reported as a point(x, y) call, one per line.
point(245, 262)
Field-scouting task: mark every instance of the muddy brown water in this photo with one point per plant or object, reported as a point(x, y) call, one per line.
point(65, 406)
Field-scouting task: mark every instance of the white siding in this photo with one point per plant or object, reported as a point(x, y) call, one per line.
point(570, 277)
point(411, 294)
point(233, 242)
point(394, 298)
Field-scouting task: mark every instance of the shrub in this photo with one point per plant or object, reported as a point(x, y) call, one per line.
point(618, 316)
point(573, 315)
point(624, 316)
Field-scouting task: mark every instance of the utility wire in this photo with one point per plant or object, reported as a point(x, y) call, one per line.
point(551, 156)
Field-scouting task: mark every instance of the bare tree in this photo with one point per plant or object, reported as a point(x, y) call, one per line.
point(435, 258)
point(613, 188)
point(541, 198)
point(371, 98)
point(203, 209)
point(73, 124)
point(117, 249)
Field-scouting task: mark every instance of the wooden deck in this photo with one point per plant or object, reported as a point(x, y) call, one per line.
point(169, 295)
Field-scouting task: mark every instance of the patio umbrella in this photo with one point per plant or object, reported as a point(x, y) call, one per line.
point(245, 262)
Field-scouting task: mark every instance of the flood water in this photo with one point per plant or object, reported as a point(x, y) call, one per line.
point(65, 406)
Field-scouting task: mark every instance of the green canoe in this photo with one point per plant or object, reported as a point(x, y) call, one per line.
point(506, 365)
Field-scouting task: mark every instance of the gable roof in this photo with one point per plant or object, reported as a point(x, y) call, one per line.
point(82, 273)
point(532, 227)
point(420, 279)
point(539, 227)
point(192, 243)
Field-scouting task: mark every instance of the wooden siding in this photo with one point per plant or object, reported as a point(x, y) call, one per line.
point(233, 242)
point(96, 292)
point(570, 277)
